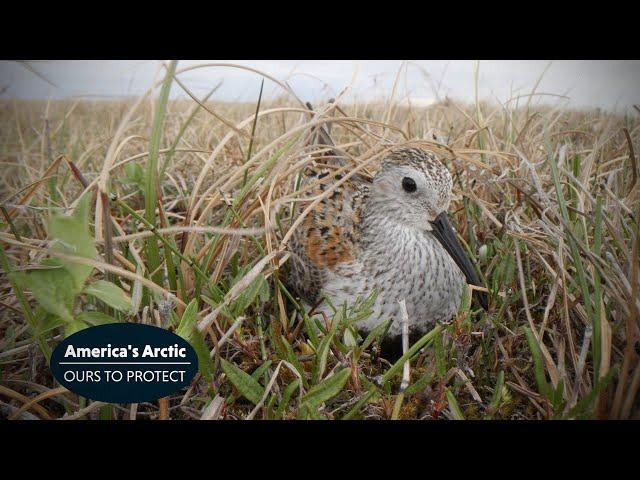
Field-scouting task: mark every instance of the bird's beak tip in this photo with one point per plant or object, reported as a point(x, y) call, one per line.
point(483, 299)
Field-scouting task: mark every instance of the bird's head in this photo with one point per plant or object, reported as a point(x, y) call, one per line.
point(413, 188)
point(414, 185)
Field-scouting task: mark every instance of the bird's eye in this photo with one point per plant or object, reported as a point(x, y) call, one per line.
point(409, 184)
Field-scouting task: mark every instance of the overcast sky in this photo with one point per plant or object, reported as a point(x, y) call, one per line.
point(612, 85)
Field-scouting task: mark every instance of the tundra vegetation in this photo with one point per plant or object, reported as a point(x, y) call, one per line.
point(177, 213)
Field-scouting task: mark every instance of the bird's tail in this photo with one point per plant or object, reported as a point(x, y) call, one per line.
point(321, 136)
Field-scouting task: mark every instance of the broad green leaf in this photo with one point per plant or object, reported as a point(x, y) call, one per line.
point(265, 292)
point(349, 338)
point(73, 327)
point(286, 396)
point(95, 318)
point(310, 329)
point(188, 320)
point(322, 354)
point(205, 362)
point(46, 321)
point(286, 351)
point(188, 330)
point(81, 213)
point(257, 373)
point(135, 174)
point(328, 389)
point(71, 235)
point(250, 294)
point(109, 293)
point(465, 301)
point(245, 383)
point(52, 288)
point(308, 411)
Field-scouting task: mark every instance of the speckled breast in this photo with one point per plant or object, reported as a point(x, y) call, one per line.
point(403, 263)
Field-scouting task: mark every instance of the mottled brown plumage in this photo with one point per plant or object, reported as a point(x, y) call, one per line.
point(330, 234)
point(389, 235)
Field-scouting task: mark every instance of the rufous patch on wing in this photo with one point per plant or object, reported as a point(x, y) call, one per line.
point(329, 236)
point(326, 244)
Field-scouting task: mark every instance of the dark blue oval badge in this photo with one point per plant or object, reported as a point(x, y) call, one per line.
point(124, 363)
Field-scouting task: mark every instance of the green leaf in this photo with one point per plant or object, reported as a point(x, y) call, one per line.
point(249, 295)
point(465, 301)
point(415, 348)
point(497, 391)
point(46, 321)
point(286, 396)
point(205, 362)
point(95, 318)
point(581, 409)
point(362, 309)
point(71, 235)
point(310, 329)
point(136, 293)
point(543, 387)
point(328, 389)
point(135, 174)
point(308, 411)
point(73, 327)
point(257, 373)
point(375, 333)
point(52, 288)
point(109, 293)
point(265, 291)
point(558, 396)
point(188, 330)
point(322, 354)
point(356, 408)
point(245, 383)
point(349, 338)
point(188, 320)
point(150, 196)
point(419, 385)
point(441, 363)
point(285, 350)
point(454, 407)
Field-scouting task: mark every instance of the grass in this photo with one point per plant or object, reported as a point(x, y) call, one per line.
point(188, 205)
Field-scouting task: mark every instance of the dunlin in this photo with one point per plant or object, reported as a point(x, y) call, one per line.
point(391, 235)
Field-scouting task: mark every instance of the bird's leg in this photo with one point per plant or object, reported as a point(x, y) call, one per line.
point(313, 309)
point(327, 322)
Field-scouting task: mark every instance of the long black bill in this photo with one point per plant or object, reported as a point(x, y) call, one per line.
point(445, 234)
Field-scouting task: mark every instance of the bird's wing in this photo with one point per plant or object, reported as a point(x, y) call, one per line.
point(329, 236)
point(332, 228)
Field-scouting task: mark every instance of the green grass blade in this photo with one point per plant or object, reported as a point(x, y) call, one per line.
point(453, 405)
point(150, 199)
point(415, 348)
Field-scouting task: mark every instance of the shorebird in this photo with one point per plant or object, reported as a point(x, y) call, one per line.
point(390, 234)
